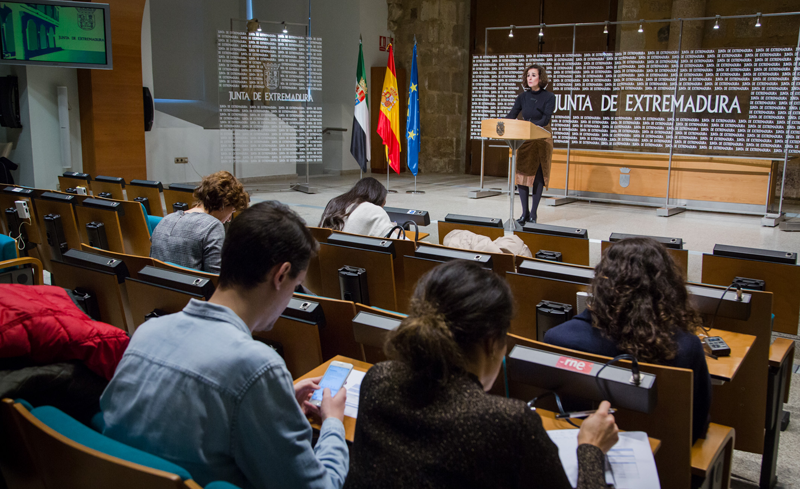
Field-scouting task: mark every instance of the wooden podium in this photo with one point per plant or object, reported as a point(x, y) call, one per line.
point(514, 132)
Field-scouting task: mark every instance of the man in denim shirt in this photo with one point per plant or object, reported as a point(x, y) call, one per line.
point(197, 390)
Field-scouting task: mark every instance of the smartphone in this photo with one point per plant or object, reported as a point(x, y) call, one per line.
point(334, 379)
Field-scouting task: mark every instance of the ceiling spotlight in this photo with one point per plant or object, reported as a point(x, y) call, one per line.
point(758, 20)
point(605, 28)
point(641, 28)
point(511, 32)
point(541, 30)
point(716, 23)
point(259, 28)
point(285, 31)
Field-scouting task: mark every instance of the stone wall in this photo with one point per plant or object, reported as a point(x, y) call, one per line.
point(441, 28)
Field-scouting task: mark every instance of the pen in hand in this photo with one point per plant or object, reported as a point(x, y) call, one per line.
point(581, 414)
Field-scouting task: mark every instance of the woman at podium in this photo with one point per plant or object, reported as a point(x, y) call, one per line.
point(533, 158)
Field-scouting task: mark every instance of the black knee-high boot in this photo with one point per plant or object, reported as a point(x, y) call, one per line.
point(523, 197)
point(538, 190)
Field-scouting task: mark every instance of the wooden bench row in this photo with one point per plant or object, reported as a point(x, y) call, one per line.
point(782, 280)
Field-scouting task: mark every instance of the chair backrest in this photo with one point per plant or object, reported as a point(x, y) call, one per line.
point(65, 182)
point(213, 277)
point(379, 266)
point(670, 421)
point(145, 298)
point(126, 231)
point(16, 456)
point(151, 190)
point(402, 247)
point(173, 196)
point(66, 213)
point(115, 188)
point(65, 463)
point(313, 281)
point(375, 354)
point(112, 299)
point(783, 280)
point(7, 199)
point(337, 335)
point(573, 250)
point(297, 341)
point(133, 262)
point(528, 291)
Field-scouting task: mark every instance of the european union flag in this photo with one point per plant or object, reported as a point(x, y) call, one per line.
point(412, 117)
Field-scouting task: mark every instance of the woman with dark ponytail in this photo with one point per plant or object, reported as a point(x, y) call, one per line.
point(425, 419)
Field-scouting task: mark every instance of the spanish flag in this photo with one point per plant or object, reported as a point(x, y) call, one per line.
point(389, 119)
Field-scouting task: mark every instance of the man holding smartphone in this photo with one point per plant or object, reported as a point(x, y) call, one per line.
point(196, 389)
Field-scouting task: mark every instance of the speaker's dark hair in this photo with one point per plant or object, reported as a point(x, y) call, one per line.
point(544, 80)
point(262, 236)
point(455, 308)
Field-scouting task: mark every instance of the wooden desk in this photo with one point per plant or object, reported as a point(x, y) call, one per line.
point(725, 368)
point(549, 420)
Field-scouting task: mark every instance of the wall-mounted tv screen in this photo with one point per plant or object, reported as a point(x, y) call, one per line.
point(55, 33)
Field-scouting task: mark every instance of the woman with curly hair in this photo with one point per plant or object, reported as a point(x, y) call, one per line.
point(640, 306)
point(425, 419)
point(193, 238)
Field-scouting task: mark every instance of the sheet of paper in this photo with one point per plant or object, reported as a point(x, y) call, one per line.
point(631, 460)
point(353, 386)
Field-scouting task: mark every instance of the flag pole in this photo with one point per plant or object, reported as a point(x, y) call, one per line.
point(413, 82)
point(387, 179)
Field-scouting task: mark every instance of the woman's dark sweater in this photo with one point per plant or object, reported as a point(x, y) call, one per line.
point(460, 437)
point(578, 334)
point(536, 107)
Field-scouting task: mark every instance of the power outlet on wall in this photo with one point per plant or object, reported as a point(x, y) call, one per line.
point(181, 161)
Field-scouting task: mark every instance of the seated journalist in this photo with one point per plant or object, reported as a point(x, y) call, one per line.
point(640, 306)
point(193, 238)
point(424, 418)
point(196, 389)
point(359, 210)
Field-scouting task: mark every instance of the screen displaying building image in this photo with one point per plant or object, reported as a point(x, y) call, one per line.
point(53, 34)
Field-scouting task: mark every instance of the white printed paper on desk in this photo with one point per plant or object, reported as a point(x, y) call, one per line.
point(630, 462)
point(353, 386)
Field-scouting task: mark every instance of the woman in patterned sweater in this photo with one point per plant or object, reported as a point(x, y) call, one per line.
point(424, 417)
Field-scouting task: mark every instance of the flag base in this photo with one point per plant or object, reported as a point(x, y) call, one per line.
point(415, 191)
point(480, 193)
point(305, 188)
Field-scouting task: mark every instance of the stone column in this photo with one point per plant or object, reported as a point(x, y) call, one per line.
point(692, 30)
point(442, 31)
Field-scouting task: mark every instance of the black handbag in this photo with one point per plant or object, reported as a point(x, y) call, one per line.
point(402, 229)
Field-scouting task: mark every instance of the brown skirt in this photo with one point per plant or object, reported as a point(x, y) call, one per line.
point(532, 155)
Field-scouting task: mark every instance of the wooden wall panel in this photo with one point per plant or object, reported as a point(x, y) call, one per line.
point(111, 104)
point(743, 181)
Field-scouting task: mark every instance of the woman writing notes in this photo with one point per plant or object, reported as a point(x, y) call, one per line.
point(533, 158)
point(425, 419)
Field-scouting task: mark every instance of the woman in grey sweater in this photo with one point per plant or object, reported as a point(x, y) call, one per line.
point(193, 238)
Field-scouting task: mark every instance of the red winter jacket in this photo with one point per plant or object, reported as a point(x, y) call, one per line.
point(42, 323)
